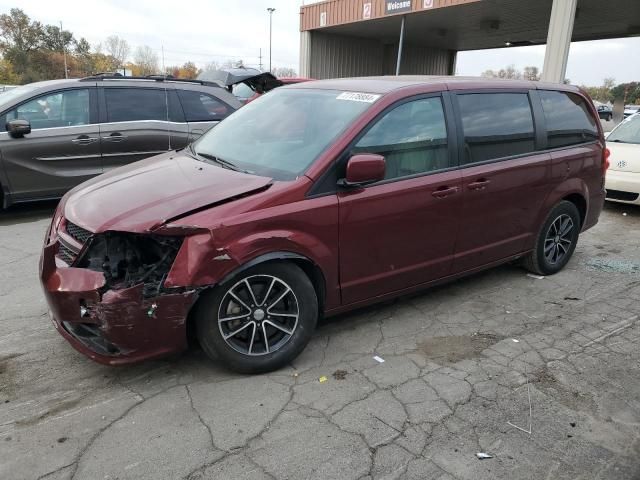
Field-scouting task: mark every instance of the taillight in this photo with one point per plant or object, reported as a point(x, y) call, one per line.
point(606, 153)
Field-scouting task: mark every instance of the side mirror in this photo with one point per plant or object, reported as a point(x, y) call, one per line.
point(363, 169)
point(18, 128)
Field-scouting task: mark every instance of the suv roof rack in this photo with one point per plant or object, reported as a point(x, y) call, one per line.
point(98, 77)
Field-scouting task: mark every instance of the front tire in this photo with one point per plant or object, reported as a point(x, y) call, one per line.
point(260, 320)
point(556, 240)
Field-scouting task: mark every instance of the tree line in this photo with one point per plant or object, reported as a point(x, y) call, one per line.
point(609, 91)
point(31, 51)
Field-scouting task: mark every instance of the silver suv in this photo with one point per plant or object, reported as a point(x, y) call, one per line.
point(59, 133)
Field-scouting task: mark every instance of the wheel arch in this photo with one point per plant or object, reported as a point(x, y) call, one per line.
point(573, 190)
point(307, 265)
point(581, 204)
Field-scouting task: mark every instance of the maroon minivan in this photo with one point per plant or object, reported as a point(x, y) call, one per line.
point(316, 199)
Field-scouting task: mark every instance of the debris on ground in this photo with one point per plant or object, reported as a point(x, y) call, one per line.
point(515, 340)
point(378, 359)
point(322, 379)
point(575, 299)
point(340, 374)
point(613, 266)
point(537, 277)
point(483, 456)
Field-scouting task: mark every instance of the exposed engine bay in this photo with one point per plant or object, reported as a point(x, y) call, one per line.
point(128, 259)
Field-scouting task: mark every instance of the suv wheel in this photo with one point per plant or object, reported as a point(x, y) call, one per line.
point(259, 320)
point(556, 241)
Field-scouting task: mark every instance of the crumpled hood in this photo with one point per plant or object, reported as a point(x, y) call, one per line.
point(145, 194)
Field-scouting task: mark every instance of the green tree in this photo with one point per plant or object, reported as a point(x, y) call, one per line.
point(19, 37)
point(56, 40)
point(629, 93)
point(7, 75)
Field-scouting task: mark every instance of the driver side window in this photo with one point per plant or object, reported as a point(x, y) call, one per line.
point(412, 137)
point(60, 109)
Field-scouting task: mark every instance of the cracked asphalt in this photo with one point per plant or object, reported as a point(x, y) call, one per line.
point(454, 383)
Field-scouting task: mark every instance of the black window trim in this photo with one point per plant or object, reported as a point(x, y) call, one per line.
point(102, 102)
point(538, 123)
point(326, 185)
point(94, 117)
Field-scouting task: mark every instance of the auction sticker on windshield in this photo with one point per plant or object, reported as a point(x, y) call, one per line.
point(358, 97)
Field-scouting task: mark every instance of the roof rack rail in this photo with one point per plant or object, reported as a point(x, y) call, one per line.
point(98, 77)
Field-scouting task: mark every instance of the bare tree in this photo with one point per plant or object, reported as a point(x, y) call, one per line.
point(531, 73)
point(146, 60)
point(118, 48)
point(284, 72)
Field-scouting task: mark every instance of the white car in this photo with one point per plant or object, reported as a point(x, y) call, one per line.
point(631, 110)
point(623, 177)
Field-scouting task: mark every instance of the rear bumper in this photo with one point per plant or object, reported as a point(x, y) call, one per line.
point(112, 327)
point(627, 183)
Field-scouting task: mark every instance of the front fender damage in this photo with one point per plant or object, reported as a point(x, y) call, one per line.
point(111, 324)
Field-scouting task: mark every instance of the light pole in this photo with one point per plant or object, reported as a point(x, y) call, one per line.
point(270, 10)
point(64, 53)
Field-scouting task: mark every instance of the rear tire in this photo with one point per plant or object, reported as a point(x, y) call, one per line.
point(556, 240)
point(260, 320)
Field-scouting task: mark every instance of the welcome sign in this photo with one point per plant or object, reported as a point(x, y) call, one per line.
point(396, 6)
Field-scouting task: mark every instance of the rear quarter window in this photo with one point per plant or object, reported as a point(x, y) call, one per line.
point(202, 107)
point(568, 119)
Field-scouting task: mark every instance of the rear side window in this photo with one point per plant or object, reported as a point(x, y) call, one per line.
point(496, 125)
point(131, 104)
point(568, 119)
point(412, 137)
point(201, 107)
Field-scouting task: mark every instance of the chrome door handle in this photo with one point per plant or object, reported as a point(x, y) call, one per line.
point(115, 137)
point(84, 140)
point(479, 184)
point(443, 192)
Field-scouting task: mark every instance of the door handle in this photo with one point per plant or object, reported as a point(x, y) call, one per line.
point(115, 137)
point(444, 192)
point(84, 140)
point(479, 184)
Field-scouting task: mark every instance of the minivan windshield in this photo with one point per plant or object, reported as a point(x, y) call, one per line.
point(9, 95)
point(281, 134)
point(627, 132)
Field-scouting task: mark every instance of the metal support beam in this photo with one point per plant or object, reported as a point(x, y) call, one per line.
point(305, 54)
point(400, 46)
point(563, 14)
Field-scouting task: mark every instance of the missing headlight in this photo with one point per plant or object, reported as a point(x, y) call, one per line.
point(128, 259)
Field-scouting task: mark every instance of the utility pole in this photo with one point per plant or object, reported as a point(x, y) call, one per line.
point(64, 53)
point(164, 70)
point(270, 10)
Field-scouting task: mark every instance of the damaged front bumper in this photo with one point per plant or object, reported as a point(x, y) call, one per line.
point(111, 325)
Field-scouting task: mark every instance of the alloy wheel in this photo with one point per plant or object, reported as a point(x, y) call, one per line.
point(258, 315)
point(558, 240)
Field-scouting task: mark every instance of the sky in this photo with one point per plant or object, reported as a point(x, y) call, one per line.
point(221, 30)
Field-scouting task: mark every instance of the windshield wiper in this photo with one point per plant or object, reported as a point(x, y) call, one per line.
point(219, 161)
